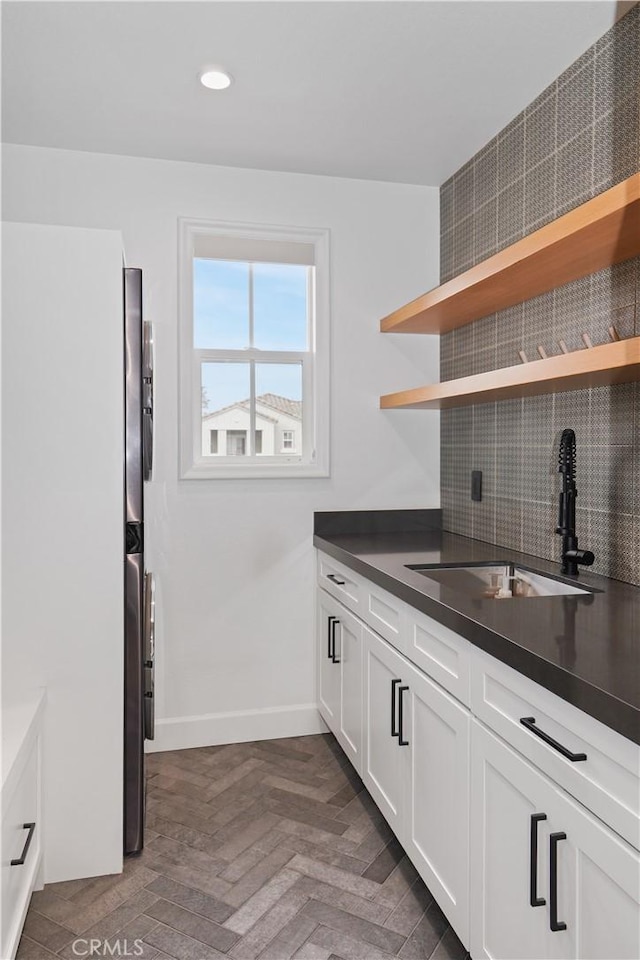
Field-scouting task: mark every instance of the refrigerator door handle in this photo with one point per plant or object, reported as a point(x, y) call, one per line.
point(147, 400)
point(149, 655)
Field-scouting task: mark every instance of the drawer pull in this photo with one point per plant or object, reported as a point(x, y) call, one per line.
point(554, 924)
point(534, 899)
point(530, 724)
point(330, 622)
point(394, 730)
point(334, 624)
point(334, 579)
point(23, 856)
point(401, 741)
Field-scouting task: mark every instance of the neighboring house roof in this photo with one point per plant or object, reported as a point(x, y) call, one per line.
point(292, 408)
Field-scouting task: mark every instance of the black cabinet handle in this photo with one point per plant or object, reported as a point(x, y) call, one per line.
point(23, 856)
point(530, 724)
point(401, 741)
point(334, 624)
point(332, 576)
point(554, 923)
point(534, 899)
point(329, 624)
point(394, 730)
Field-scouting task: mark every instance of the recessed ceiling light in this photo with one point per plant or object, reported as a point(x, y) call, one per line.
point(215, 78)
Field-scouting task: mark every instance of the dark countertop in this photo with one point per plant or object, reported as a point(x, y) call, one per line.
point(585, 649)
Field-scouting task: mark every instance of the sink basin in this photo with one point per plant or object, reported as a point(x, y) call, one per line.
point(497, 581)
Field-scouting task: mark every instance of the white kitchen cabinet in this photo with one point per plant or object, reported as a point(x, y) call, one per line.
point(339, 672)
point(21, 802)
point(588, 908)
point(461, 780)
point(385, 759)
point(436, 829)
point(417, 770)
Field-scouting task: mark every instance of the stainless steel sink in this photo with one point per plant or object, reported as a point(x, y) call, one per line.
point(497, 581)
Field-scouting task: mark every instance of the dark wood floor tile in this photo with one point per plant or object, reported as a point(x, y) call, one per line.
point(191, 899)
point(262, 901)
point(449, 948)
point(245, 835)
point(270, 925)
point(193, 925)
point(385, 862)
point(283, 749)
point(332, 857)
point(349, 947)
point(290, 812)
point(406, 915)
point(190, 877)
point(179, 946)
point(397, 883)
point(246, 861)
point(291, 937)
point(30, 950)
point(254, 851)
point(114, 922)
point(184, 854)
point(255, 878)
point(351, 902)
point(220, 784)
point(362, 803)
point(344, 796)
point(321, 808)
point(356, 927)
point(330, 841)
point(46, 932)
point(426, 936)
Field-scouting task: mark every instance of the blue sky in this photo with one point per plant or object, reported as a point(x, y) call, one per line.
point(221, 321)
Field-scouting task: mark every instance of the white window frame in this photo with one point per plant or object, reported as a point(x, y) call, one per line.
point(313, 460)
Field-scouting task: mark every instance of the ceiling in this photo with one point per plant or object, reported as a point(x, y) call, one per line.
point(399, 91)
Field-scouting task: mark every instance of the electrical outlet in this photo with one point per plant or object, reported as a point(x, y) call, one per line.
point(476, 484)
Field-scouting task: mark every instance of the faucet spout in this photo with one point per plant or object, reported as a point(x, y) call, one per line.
point(571, 556)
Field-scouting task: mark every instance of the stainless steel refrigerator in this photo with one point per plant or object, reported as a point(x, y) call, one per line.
point(139, 601)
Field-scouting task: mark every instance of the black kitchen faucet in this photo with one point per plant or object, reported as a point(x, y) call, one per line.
point(571, 556)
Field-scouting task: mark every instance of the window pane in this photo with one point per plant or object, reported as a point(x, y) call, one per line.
point(220, 304)
point(279, 408)
point(280, 306)
point(225, 409)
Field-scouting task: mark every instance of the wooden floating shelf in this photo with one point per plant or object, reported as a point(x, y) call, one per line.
point(600, 232)
point(610, 363)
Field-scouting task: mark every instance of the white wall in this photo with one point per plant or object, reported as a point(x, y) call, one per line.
point(62, 516)
point(234, 559)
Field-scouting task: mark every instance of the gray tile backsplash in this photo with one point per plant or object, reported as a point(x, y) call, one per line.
point(578, 138)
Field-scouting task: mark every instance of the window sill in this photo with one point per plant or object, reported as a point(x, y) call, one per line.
point(258, 471)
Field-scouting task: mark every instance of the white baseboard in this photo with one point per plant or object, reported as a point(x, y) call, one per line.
point(211, 729)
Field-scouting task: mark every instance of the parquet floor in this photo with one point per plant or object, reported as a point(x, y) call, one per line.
point(269, 850)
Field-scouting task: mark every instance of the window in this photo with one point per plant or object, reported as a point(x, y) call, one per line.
point(254, 351)
point(287, 439)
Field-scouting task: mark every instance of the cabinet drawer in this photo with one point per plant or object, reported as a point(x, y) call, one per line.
point(606, 782)
point(20, 808)
point(441, 653)
point(385, 614)
point(339, 581)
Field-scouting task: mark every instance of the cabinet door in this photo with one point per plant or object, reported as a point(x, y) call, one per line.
point(348, 650)
point(587, 908)
point(385, 760)
point(437, 814)
point(327, 663)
